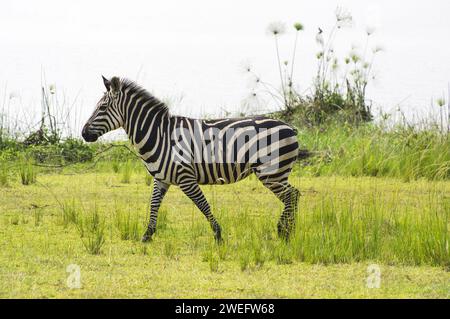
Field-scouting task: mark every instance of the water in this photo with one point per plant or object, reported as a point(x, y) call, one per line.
point(192, 52)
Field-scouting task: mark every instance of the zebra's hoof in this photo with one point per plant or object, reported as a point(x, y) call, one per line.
point(146, 238)
point(219, 240)
point(218, 235)
point(283, 232)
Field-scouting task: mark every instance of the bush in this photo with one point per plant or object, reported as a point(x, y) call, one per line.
point(74, 150)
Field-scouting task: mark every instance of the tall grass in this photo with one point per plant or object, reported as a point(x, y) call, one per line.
point(127, 170)
point(70, 213)
point(128, 225)
point(369, 150)
point(337, 231)
point(341, 228)
point(91, 227)
point(4, 176)
point(27, 172)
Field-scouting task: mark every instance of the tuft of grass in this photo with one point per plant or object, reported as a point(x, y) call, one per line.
point(169, 249)
point(283, 254)
point(37, 216)
point(244, 260)
point(70, 213)
point(27, 172)
point(92, 232)
point(128, 225)
point(127, 170)
point(115, 166)
point(4, 176)
point(212, 257)
point(14, 219)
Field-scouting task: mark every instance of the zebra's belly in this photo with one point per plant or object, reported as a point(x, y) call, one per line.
point(221, 173)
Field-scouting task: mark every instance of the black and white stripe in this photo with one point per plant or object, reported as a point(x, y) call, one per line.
point(189, 152)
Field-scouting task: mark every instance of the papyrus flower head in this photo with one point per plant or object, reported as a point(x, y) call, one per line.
point(276, 28)
point(298, 26)
point(370, 30)
point(343, 18)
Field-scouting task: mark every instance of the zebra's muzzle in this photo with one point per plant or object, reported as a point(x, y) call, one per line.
point(88, 136)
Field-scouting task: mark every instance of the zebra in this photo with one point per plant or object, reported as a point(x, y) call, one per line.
point(168, 145)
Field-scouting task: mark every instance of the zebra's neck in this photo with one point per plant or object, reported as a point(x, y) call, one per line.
point(143, 116)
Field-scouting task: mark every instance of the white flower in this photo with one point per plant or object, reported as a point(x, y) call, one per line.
point(276, 28)
point(370, 30)
point(343, 17)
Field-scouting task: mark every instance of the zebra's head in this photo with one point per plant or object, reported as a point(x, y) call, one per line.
point(107, 116)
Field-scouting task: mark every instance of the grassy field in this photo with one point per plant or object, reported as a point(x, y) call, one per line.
point(94, 219)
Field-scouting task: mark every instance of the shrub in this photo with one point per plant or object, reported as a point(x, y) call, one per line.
point(74, 150)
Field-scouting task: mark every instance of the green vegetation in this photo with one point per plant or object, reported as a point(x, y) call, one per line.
point(344, 225)
point(126, 172)
point(27, 172)
point(370, 150)
point(91, 227)
point(128, 225)
point(339, 87)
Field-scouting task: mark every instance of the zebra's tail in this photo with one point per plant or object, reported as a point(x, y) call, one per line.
point(304, 154)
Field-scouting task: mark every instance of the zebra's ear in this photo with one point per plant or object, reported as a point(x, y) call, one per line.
point(107, 83)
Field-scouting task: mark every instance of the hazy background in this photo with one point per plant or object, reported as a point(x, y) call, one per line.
point(192, 51)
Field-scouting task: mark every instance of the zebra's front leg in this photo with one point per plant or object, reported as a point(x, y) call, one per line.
point(193, 191)
point(159, 190)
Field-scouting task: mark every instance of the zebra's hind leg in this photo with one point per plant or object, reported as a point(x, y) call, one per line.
point(159, 190)
point(193, 191)
point(289, 196)
point(287, 219)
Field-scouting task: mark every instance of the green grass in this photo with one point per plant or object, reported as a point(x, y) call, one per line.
point(4, 176)
point(370, 150)
point(127, 170)
point(27, 172)
point(344, 225)
point(128, 225)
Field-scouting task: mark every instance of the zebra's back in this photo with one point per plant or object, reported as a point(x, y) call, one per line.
point(224, 151)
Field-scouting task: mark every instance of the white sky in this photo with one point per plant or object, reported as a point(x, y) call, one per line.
point(193, 50)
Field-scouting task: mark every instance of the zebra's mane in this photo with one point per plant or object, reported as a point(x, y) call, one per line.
point(134, 88)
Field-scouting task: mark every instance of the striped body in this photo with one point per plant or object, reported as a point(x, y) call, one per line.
point(217, 158)
point(187, 152)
